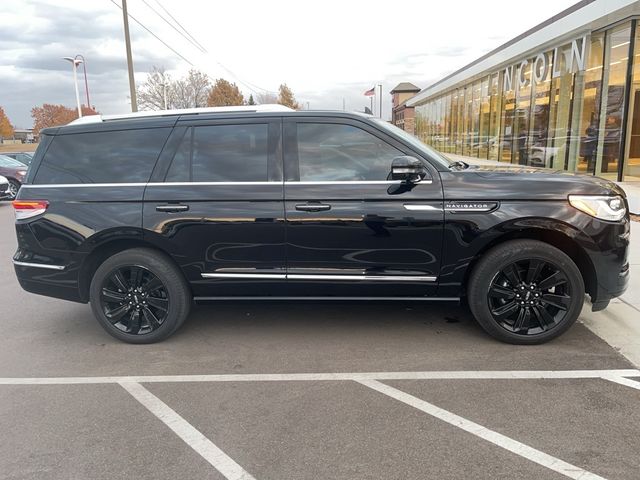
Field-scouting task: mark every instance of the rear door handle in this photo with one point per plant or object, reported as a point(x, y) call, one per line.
point(313, 207)
point(172, 208)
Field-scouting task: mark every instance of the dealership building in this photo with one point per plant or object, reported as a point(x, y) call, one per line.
point(565, 94)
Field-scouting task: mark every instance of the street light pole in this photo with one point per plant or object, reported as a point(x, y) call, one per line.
point(86, 83)
point(74, 63)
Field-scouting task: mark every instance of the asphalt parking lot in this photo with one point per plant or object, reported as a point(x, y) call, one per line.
point(305, 391)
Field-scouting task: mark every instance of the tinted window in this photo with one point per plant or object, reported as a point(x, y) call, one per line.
point(125, 156)
point(222, 153)
point(341, 153)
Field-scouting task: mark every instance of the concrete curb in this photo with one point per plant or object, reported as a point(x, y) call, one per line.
point(618, 325)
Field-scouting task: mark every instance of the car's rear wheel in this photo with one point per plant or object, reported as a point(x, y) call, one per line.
point(525, 292)
point(139, 296)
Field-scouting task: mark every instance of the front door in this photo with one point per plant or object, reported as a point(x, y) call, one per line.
point(351, 232)
point(217, 206)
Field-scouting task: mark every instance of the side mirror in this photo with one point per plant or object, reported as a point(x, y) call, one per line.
point(408, 169)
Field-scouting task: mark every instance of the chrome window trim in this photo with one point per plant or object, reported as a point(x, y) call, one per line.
point(150, 184)
point(178, 184)
point(38, 265)
point(351, 182)
point(295, 276)
point(419, 207)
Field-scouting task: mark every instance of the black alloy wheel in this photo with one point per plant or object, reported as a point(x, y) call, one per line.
point(140, 296)
point(529, 297)
point(525, 292)
point(134, 300)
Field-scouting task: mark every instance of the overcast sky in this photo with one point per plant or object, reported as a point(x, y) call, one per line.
point(324, 50)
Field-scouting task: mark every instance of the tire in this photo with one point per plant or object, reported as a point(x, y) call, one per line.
point(545, 285)
point(139, 296)
point(14, 186)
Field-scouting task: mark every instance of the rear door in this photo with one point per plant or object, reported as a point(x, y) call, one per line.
point(351, 231)
point(216, 204)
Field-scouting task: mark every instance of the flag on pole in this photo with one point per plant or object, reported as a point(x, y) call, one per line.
point(370, 93)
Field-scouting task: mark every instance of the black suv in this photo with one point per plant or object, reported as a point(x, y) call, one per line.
point(142, 214)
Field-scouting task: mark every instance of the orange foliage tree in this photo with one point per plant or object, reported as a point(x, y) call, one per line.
point(49, 115)
point(6, 129)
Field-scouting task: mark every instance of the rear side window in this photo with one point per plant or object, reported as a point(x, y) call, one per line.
point(222, 153)
point(124, 156)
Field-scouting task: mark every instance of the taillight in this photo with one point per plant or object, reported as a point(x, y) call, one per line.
point(29, 208)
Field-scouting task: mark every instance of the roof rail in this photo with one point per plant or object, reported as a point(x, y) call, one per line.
point(184, 111)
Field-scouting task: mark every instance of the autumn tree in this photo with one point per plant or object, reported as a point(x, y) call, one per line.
point(251, 101)
point(224, 94)
point(6, 129)
point(49, 115)
point(286, 98)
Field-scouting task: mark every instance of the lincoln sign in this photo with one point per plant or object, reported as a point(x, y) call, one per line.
point(574, 61)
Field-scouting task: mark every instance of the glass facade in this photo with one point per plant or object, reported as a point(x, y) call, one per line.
point(575, 107)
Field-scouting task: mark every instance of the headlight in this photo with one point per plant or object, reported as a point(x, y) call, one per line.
point(600, 206)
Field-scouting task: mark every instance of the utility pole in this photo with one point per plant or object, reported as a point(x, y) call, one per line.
point(127, 41)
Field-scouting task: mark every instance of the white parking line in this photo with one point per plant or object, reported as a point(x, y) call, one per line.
point(285, 377)
point(188, 433)
point(478, 430)
point(623, 381)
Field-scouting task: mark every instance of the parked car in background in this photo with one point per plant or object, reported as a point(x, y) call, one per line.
point(22, 157)
point(4, 188)
point(15, 173)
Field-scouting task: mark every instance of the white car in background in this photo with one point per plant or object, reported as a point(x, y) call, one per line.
point(4, 188)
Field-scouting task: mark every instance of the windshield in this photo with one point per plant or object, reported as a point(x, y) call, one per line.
point(415, 142)
point(10, 162)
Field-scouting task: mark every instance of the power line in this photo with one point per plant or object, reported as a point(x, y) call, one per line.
point(180, 25)
point(252, 87)
point(195, 44)
point(154, 35)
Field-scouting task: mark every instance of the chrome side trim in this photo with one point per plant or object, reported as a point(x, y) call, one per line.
point(268, 276)
point(368, 278)
point(38, 265)
point(351, 278)
point(334, 299)
point(423, 208)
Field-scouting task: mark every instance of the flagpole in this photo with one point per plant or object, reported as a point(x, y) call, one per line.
point(380, 112)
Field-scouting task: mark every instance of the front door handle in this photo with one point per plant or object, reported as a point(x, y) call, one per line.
point(313, 207)
point(172, 208)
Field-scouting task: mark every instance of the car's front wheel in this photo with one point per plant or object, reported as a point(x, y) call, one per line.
point(139, 296)
point(525, 292)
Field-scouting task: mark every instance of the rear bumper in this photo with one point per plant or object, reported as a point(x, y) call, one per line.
point(49, 279)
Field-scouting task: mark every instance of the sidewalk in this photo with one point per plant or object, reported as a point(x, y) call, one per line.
point(632, 189)
point(619, 324)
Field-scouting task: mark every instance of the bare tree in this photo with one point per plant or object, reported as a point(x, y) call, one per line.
point(156, 93)
point(160, 91)
point(192, 91)
point(265, 98)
